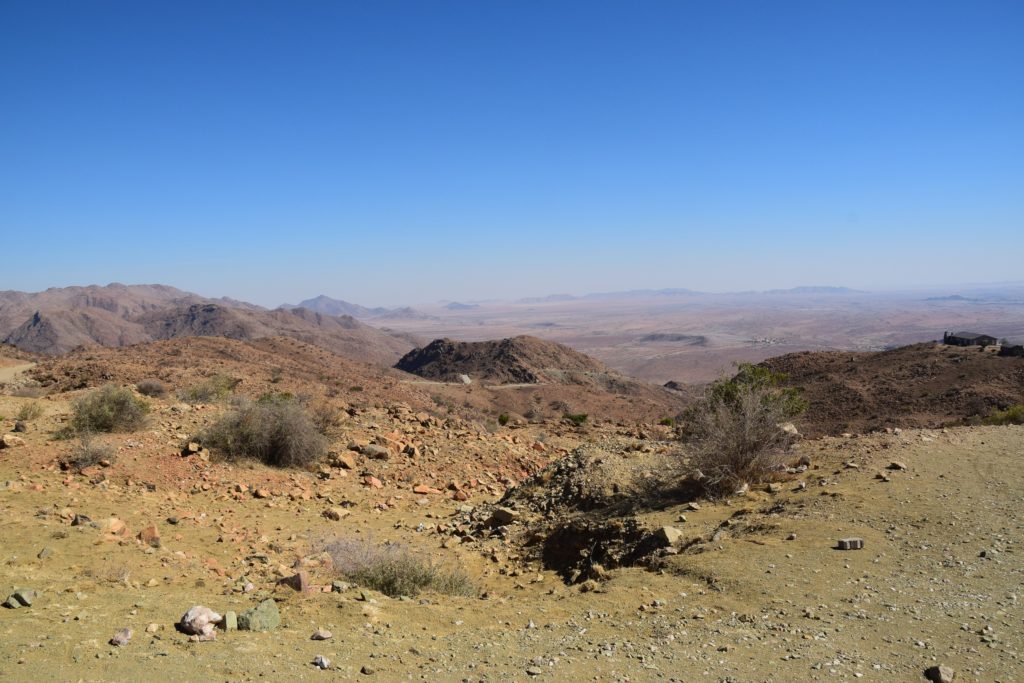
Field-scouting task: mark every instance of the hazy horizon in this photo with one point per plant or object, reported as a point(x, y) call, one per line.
point(923, 289)
point(399, 153)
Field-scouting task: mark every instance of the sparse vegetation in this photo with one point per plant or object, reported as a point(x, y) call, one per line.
point(153, 388)
point(1014, 415)
point(667, 422)
point(87, 453)
point(503, 419)
point(326, 418)
point(577, 419)
point(215, 388)
point(29, 412)
point(29, 392)
point(277, 432)
point(734, 431)
point(108, 409)
point(395, 570)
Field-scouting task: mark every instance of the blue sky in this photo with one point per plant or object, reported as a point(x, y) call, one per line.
point(400, 152)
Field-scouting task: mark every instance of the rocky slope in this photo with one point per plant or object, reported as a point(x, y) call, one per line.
point(58, 320)
point(518, 360)
point(922, 385)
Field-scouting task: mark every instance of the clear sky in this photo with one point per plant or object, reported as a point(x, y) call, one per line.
point(400, 152)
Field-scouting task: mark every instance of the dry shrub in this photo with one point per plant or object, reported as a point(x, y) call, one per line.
point(326, 417)
point(215, 388)
point(87, 454)
point(394, 570)
point(153, 388)
point(737, 440)
point(29, 412)
point(108, 409)
point(276, 431)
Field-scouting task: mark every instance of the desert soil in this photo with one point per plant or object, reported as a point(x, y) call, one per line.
point(938, 581)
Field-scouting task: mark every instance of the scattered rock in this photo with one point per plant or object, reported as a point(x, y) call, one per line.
point(321, 634)
point(121, 638)
point(230, 621)
point(200, 621)
point(375, 452)
point(940, 674)
point(321, 662)
point(344, 460)
point(336, 514)
point(895, 465)
point(850, 543)
point(502, 516)
point(668, 535)
point(299, 581)
point(366, 670)
point(263, 617)
point(20, 426)
point(11, 441)
point(150, 536)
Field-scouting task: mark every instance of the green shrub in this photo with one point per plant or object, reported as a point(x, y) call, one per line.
point(503, 419)
point(355, 388)
point(29, 412)
point(215, 388)
point(1014, 415)
point(108, 409)
point(276, 432)
point(153, 388)
point(396, 571)
point(667, 422)
point(576, 418)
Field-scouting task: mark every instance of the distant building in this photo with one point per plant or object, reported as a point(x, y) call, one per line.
point(968, 339)
point(1015, 350)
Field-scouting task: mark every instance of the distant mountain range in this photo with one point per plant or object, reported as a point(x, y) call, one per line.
point(656, 293)
point(327, 305)
point(58, 320)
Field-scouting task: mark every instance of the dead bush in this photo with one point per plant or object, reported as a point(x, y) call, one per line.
point(153, 388)
point(276, 431)
point(735, 435)
point(87, 453)
point(326, 417)
point(29, 412)
point(108, 409)
point(394, 570)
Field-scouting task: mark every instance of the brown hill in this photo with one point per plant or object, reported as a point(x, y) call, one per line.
point(344, 334)
point(518, 360)
point(58, 320)
point(923, 385)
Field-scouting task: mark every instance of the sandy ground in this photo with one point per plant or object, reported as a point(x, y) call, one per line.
point(752, 606)
point(10, 369)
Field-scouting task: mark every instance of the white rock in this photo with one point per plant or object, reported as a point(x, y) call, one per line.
point(200, 621)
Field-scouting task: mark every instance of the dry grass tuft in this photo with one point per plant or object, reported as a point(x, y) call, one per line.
point(394, 570)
